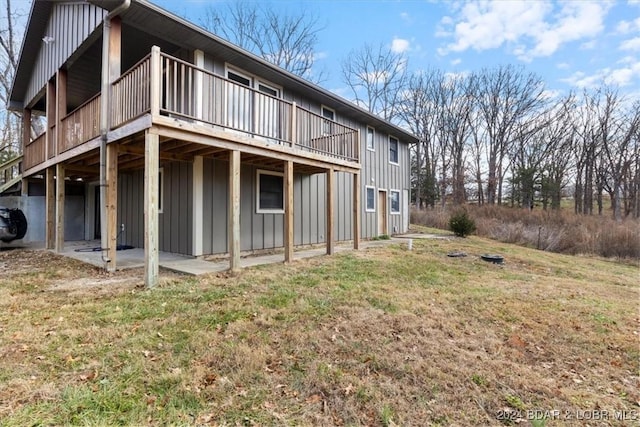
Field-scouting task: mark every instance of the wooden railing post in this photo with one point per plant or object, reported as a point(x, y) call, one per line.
point(61, 110)
point(294, 124)
point(155, 81)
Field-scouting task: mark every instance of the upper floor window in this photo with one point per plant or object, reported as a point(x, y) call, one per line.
point(239, 78)
point(327, 125)
point(370, 138)
point(393, 150)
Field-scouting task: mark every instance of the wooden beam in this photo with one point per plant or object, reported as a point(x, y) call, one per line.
point(233, 225)
point(112, 205)
point(139, 151)
point(356, 210)
point(288, 211)
point(115, 48)
point(198, 206)
point(155, 79)
point(26, 127)
point(330, 204)
point(50, 208)
point(207, 135)
point(60, 196)
point(151, 188)
point(51, 120)
point(61, 107)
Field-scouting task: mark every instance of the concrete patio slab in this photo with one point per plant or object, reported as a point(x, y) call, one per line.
point(89, 252)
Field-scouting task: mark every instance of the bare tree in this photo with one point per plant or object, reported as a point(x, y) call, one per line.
point(10, 36)
point(417, 108)
point(377, 78)
point(286, 39)
point(505, 97)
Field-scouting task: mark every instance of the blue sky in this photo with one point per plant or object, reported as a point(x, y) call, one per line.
point(570, 44)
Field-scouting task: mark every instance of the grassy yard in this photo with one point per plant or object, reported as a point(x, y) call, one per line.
point(377, 337)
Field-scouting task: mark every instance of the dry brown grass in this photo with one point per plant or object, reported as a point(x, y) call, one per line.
point(554, 231)
point(377, 337)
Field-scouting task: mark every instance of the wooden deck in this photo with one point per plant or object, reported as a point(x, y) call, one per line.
point(195, 112)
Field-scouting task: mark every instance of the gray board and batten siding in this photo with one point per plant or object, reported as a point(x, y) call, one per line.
point(258, 230)
point(60, 42)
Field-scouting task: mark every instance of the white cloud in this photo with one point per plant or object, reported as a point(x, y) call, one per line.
point(399, 45)
point(623, 76)
point(456, 61)
point(563, 66)
point(626, 27)
point(406, 17)
point(631, 44)
point(527, 29)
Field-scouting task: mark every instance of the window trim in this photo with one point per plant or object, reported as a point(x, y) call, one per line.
point(366, 199)
point(259, 210)
point(391, 211)
point(397, 162)
point(373, 139)
point(329, 121)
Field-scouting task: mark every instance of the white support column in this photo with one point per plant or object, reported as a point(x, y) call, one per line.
point(234, 210)
point(330, 204)
point(151, 189)
point(198, 59)
point(198, 205)
point(50, 208)
point(60, 196)
point(356, 210)
point(288, 211)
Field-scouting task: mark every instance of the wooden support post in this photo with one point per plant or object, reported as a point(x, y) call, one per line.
point(51, 120)
point(115, 48)
point(60, 196)
point(112, 205)
point(356, 210)
point(288, 211)
point(330, 205)
point(61, 109)
point(155, 81)
point(198, 205)
point(233, 225)
point(50, 208)
point(151, 191)
point(26, 127)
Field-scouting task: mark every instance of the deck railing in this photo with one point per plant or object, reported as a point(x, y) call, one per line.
point(10, 173)
point(130, 94)
point(81, 125)
point(35, 152)
point(185, 91)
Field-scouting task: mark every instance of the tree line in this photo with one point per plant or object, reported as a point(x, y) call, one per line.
point(499, 136)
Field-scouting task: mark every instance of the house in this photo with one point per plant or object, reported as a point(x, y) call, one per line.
point(167, 137)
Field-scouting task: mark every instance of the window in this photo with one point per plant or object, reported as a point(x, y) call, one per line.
point(394, 195)
point(270, 192)
point(370, 135)
point(327, 126)
point(239, 105)
point(371, 199)
point(393, 150)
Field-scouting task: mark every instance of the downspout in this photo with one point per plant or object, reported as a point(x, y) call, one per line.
point(105, 102)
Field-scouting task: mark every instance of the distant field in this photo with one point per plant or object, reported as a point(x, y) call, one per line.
point(383, 336)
